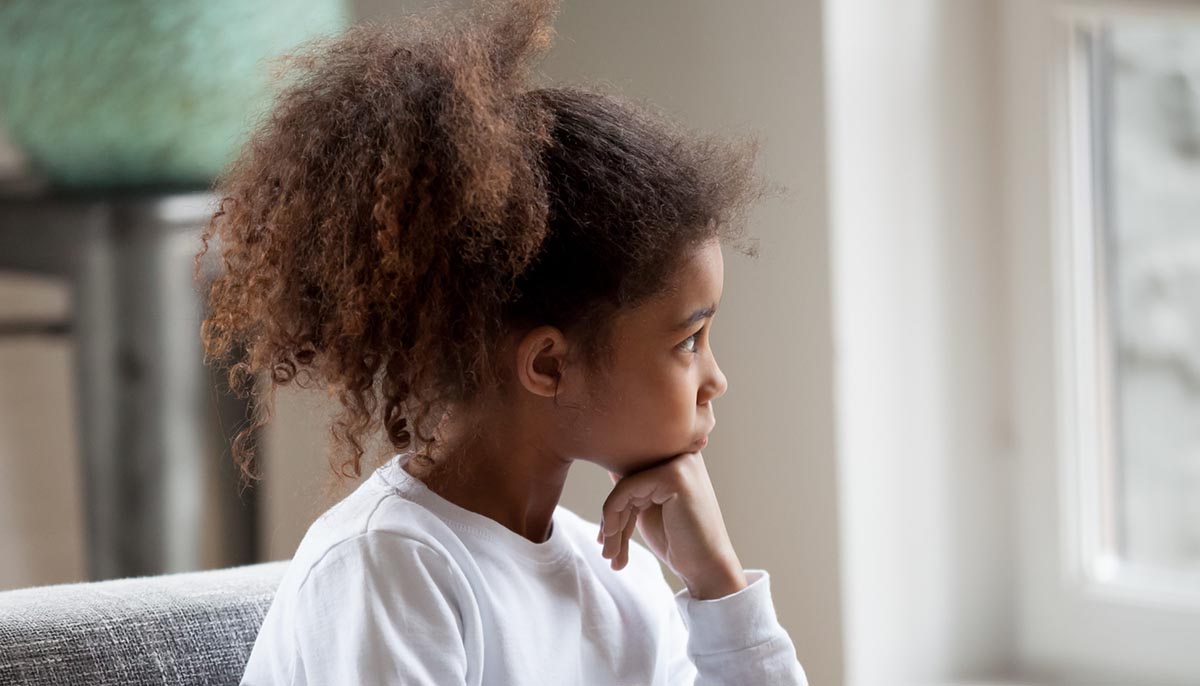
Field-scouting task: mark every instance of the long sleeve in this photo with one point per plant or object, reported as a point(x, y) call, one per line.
point(378, 608)
point(736, 639)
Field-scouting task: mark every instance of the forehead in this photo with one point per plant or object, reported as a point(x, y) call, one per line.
point(695, 285)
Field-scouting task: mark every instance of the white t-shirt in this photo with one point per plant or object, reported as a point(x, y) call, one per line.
point(396, 585)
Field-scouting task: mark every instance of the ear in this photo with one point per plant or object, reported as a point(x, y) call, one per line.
point(541, 360)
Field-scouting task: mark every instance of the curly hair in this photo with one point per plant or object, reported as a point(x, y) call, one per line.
point(408, 202)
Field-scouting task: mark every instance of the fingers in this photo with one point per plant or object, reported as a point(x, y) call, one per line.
point(616, 540)
point(612, 534)
point(639, 491)
point(622, 558)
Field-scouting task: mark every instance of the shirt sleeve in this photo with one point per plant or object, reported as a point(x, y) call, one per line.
point(379, 608)
point(735, 639)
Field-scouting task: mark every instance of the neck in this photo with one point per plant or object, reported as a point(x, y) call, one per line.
point(507, 474)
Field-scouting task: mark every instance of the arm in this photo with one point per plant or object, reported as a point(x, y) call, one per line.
point(379, 608)
point(735, 639)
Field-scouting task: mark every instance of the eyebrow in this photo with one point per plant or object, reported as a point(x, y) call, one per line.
point(700, 313)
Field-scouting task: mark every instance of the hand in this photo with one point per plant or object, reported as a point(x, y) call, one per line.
point(675, 508)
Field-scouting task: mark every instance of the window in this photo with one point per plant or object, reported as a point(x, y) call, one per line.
point(1145, 104)
point(1103, 202)
point(1140, 473)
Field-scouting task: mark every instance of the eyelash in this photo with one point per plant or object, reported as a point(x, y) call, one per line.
point(683, 345)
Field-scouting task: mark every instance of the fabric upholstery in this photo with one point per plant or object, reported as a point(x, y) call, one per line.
point(185, 628)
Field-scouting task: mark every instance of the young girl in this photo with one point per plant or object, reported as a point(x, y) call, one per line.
point(501, 280)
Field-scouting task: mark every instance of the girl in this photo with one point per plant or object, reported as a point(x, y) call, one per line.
point(500, 280)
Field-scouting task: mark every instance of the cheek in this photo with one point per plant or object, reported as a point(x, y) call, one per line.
point(655, 410)
point(642, 423)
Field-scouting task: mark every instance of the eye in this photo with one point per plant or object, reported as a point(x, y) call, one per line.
point(689, 343)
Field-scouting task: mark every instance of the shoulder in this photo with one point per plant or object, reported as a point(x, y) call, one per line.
point(376, 546)
point(380, 605)
point(369, 527)
point(384, 534)
point(361, 587)
point(397, 537)
point(382, 573)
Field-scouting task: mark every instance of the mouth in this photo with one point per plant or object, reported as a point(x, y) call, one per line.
point(703, 440)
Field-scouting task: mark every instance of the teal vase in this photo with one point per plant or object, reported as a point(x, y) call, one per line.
point(135, 93)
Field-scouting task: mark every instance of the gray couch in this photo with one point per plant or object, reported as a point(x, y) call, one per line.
point(186, 628)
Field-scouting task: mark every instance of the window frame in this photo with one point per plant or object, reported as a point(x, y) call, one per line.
point(1082, 616)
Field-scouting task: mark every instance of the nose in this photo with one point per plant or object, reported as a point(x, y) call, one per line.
point(716, 384)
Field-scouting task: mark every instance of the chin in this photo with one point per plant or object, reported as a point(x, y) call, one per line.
point(630, 464)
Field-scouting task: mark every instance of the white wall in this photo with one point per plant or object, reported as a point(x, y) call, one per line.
point(924, 433)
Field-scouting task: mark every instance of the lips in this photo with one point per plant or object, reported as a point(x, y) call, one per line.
point(703, 440)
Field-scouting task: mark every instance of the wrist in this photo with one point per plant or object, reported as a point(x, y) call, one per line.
point(718, 583)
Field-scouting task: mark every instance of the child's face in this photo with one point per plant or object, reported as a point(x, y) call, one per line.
point(655, 401)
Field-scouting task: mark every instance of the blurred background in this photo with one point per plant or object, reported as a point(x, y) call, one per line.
point(960, 430)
